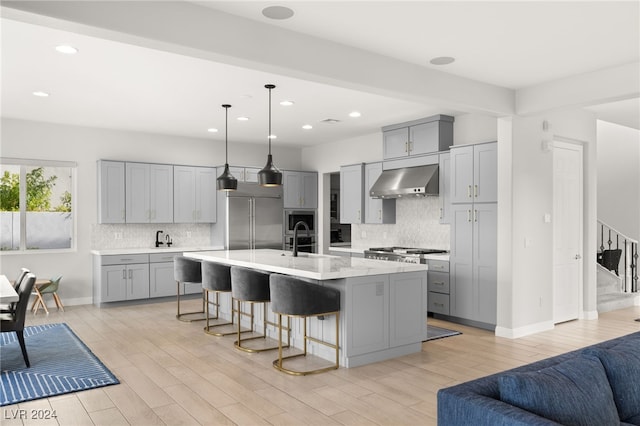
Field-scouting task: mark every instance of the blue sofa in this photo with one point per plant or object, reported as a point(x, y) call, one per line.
point(596, 385)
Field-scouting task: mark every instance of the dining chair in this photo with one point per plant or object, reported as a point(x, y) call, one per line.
point(14, 321)
point(10, 307)
point(48, 288)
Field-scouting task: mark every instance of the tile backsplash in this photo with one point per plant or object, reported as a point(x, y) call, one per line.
point(417, 225)
point(144, 235)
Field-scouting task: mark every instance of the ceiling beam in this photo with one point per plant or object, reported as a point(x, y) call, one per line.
point(193, 30)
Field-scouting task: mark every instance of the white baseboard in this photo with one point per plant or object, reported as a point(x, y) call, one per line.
point(70, 302)
point(514, 333)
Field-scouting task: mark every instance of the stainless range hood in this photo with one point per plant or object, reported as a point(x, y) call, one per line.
point(407, 182)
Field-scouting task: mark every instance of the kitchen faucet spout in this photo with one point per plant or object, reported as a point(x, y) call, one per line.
point(158, 242)
point(295, 236)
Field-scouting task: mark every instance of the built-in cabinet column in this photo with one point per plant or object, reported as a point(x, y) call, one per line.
point(351, 193)
point(300, 190)
point(111, 197)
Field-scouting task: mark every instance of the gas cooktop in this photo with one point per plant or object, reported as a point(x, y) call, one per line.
point(401, 254)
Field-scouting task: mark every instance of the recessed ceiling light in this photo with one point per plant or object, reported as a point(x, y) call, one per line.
point(243, 118)
point(354, 114)
point(65, 48)
point(307, 127)
point(41, 94)
point(330, 121)
point(212, 130)
point(277, 12)
point(442, 60)
point(286, 103)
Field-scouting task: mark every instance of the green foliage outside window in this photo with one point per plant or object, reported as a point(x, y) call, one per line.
point(39, 189)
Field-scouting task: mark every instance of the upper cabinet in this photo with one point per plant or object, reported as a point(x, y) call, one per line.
point(149, 193)
point(194, 198)
point(474, 175)
point(376, 210)
point(245, 174)
point(351, 193)
point(300, 190)
point(111, 198)
point(444, 168)
point(424, 136)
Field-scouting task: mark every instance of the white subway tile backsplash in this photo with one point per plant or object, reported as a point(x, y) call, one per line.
point(144, 235)
point(417, 225)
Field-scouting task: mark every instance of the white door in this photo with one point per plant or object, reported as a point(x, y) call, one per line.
point(567, 231)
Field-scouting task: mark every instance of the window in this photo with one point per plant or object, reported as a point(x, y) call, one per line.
point(36, 205)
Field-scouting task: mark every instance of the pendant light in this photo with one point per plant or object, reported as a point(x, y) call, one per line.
point(226, 181)
point(270, 175)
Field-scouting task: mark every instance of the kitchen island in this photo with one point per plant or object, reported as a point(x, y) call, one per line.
point(383, 305)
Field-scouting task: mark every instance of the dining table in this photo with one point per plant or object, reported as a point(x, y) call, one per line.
point(7, 293)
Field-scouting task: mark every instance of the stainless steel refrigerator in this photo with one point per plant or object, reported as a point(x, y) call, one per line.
point(254, 217)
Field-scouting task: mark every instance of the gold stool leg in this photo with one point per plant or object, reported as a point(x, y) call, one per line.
point(238, 343)
point(181, 315)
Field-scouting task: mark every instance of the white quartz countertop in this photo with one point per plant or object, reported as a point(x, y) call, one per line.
point(346, 249)
point(144, 250)
point(306, 265)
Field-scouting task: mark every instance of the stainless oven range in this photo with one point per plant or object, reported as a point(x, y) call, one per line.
point(401, 254)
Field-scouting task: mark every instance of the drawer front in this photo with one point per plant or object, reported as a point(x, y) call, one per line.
point(438, 303)
point(162, 257)
point(124, 259)
point(438, 265)
point(438, 282)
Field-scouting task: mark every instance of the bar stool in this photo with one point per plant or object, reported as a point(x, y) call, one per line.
point(216, 278)
point(252, 286)
point(187, 270)
point(294, 297)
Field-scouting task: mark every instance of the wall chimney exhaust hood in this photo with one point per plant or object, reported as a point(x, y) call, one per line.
point(407, 182)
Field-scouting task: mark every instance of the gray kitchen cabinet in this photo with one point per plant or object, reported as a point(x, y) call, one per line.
point(111, 188)
point(418, 137)
point(243, 174)
point(376, 210)
point(161, 277)
point(194, 196)
point(444, 168)
point(474, 175)
point(407, 308)
point(368, 300)
point(149, 193)
point(300, 190)
point(473, 262)
point(438, 284)
point(122, 278)
point(351, 193)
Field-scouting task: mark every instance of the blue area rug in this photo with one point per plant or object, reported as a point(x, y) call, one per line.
point(60, 363)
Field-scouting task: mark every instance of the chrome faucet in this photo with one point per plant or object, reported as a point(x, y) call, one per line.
point(169, 240)
point(158, 242)
point(295, 236)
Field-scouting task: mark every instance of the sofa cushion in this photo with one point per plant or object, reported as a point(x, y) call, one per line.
point(574, 392)
point(622, 366)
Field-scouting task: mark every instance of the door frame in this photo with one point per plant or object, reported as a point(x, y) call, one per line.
point(578, 146)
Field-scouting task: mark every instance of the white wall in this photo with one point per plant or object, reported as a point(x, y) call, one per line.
point(525, 303)
point(35, 140)
point(619, 177)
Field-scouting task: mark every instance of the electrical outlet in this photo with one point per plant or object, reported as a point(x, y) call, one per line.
point(117, 235)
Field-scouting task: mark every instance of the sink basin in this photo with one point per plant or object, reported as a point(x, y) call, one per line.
point(304, 254)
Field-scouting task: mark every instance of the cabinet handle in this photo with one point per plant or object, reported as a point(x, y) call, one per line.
point(441, 213)
point(406, 146)
point(130, 273)
point(468, 215)
point(358, 215)
point(380, 214)
point(469, 191)
point(438, 304)
point(124, 274)
point(410, 146)
point(475, 190)
point(440, 284)
point(475, 215)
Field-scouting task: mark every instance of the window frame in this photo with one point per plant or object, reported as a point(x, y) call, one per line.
point(24, 163)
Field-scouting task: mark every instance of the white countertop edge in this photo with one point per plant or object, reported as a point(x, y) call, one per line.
point(377, 267)
point(346, 249)
point(151, 250)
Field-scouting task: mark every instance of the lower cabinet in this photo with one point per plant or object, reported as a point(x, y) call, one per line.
point(438, 284)
point(124, 282)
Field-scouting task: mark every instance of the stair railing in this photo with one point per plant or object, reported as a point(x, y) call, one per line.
point(611, 239)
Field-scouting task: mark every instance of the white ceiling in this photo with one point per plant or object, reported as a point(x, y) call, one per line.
point(111, 84)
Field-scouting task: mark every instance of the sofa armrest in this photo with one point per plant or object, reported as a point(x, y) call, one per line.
point(460, 407)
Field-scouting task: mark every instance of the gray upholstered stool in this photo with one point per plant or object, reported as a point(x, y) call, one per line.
point(216, 278)
point(251, 286)
point(294, 297)
point(187, 270)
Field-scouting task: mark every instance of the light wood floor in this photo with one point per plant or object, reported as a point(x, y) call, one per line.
point(172, 373)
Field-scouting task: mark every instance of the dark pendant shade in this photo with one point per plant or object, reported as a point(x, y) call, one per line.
point(226, 181)
point(270, 175)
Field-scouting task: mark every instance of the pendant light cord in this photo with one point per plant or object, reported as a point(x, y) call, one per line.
point(226, 134)
point(269, 137)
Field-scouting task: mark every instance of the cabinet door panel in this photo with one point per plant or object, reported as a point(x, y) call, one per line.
point(137, 192)
point(462, 174)
point(395, 143)
point(184, 195)
point(291, 189)
point(351, 188)
point(368, 314)
point(485, 248)
point(485, 173)
point(309, 188)
point(461, 262)
point(161, 193)
point(423, 138)
point(445, 187)
point(161, 280)
point(407, 308)
point(113, 283)
point(205, 191)
point(111, 207)
point(138, 285)
point(372, 206)
point(251, 174)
